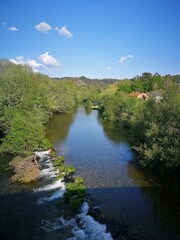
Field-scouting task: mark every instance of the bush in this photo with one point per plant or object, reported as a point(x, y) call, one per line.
point(159, 133)
point(25, 134)
point(75, 203)
point(59, 161)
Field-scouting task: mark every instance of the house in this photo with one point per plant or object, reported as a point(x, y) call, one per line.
point(157, 96)
point(139, 95)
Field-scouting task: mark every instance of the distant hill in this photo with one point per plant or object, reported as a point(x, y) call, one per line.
point(83, 81)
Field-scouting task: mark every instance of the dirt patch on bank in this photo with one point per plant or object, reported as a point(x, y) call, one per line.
point(25, 169)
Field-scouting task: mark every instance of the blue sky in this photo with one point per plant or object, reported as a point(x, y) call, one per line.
point(92, 38)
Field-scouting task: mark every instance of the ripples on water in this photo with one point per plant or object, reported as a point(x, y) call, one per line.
point(135, 205)
point(81, 227)
point(27, 214)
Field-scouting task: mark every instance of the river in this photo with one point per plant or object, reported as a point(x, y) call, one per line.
point(137, 205)
point(133, 204)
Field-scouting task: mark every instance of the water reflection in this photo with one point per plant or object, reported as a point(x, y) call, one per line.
point(131, 198)
point(114, 133)
point(58, 127)
point(88, 111)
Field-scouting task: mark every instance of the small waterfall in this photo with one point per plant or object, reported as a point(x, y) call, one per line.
point(56, 184)
point(82, 226)
point(88, 228)
point(54, 190)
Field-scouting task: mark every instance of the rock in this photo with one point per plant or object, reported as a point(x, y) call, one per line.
point(26, 170)
point(95, 212)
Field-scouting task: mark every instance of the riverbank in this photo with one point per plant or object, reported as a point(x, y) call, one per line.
point(132, 204)
point(26, 170)
point(64, 190)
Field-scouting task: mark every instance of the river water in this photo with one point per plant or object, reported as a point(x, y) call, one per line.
point(134, 205)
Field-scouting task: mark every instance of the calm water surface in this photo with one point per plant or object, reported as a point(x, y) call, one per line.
point(133, 205)
point(136, 205)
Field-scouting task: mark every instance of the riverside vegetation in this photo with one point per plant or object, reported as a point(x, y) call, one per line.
point(28, 100)
point(75, 190)
point(153, 127)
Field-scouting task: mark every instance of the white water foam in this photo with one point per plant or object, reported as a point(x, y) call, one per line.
point(56, 184)
point(49, 226)
point(48, 172)
point(90, 229)
point(84, 227)
point(59, 186)
point(56, 195)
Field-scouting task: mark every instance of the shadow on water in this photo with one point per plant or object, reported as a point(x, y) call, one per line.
point(21, 216)
point(127, 216)
point(124, 211)
point(134, 204)
point(127, 195)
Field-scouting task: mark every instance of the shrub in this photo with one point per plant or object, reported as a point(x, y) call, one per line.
point(75, 203)
point(59, 161)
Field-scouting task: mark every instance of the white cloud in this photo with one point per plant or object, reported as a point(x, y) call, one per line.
point(43, 27)
point(64, 32)
point(13, 29)
point(48, 60)
point(14, 61)
point(108, 68)
point(18, 60)
point(124, 58)
point(32, 63)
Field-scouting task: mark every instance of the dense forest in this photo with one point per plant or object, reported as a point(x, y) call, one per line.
point(28, 100)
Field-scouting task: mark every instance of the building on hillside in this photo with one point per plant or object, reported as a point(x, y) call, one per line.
point(139, 95)
point(157, 96)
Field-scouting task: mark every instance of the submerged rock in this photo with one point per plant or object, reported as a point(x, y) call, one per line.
point(26, 169)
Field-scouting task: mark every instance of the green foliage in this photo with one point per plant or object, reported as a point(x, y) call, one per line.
point(137, 86)
point(27, 100)
point(154, 127)
point(75, 190)
point(78, 180)
point(156, 82)
point(63, 96)
point(75, 193)
point(66, 171)
point(88, 104)
point(120, 108)
point(59, 161)
point(21, 136)
point(157, 131)
point(75, 203)
point(124, 86)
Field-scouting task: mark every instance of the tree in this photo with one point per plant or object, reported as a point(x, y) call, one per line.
point(159, 144)
point(137, 86)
